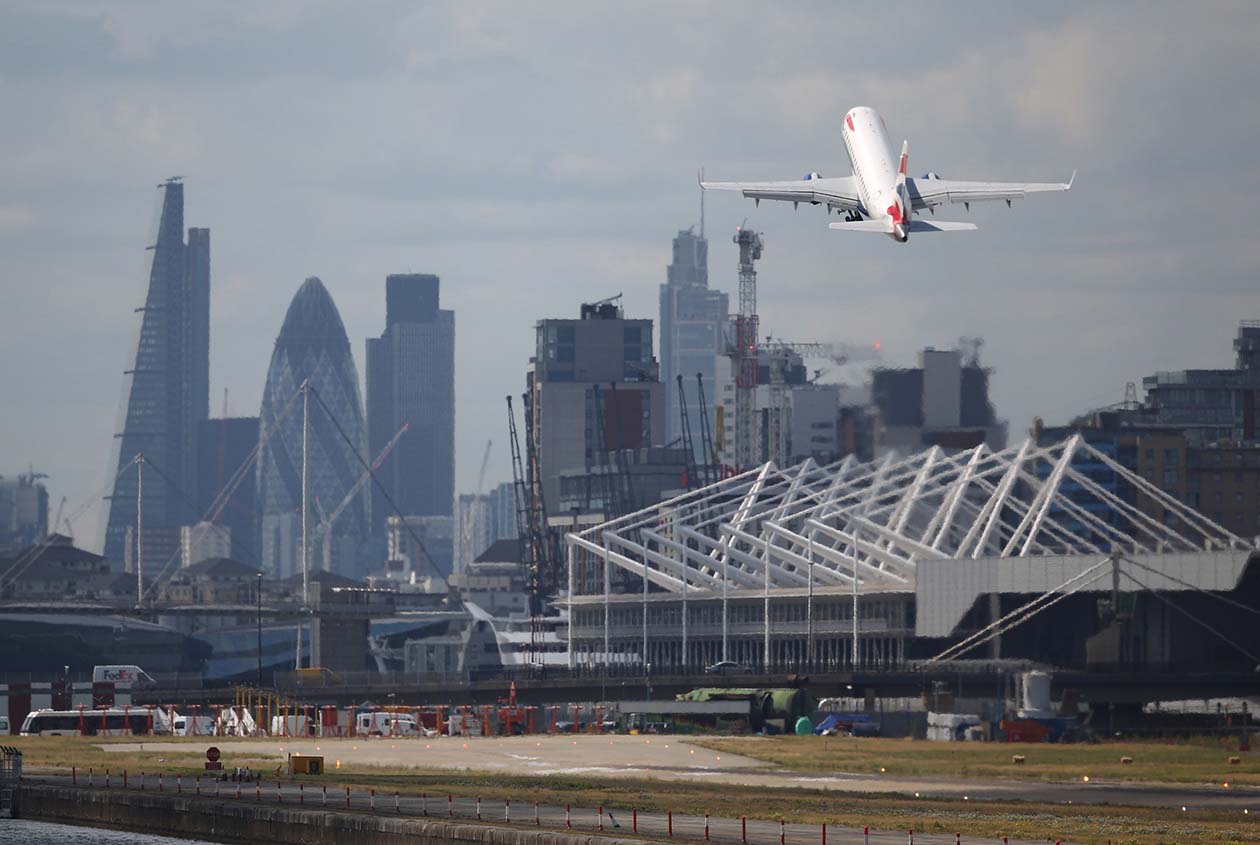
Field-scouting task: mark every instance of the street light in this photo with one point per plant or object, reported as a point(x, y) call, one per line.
point(259, 591)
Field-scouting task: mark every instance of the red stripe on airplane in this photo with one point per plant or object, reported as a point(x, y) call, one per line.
point(848, 118)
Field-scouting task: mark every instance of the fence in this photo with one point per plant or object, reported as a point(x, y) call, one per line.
point(10, 774)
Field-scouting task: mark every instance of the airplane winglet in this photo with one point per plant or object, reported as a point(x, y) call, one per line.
point(700, 177)
point(1070, 181)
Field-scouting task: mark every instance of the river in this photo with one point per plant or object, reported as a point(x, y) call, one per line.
point(43, 833)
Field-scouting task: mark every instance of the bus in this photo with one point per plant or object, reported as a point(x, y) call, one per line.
point(85, 722)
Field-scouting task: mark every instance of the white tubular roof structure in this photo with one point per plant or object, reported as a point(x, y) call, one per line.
point(867, 526)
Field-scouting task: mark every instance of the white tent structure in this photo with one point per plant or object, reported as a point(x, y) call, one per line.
point(947, 527)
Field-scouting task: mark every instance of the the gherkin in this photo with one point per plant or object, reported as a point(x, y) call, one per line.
point(312, 345)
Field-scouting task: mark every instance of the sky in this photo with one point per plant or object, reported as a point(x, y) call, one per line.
point(537, 155)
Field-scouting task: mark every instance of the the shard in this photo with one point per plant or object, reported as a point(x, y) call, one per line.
point(312, 345)
point(166, 391)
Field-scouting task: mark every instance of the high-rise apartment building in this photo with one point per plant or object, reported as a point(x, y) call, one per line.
point(483, 520)
point(693, 336)
point(411, 381)
point(24, 511)
point(313, 346)
point(942, 402)
point(167, 388)
point(573, 428)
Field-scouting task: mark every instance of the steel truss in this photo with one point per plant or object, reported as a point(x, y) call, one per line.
point(866, 526)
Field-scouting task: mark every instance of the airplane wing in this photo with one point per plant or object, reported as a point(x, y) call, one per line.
point(930, 192)
point(838, 191)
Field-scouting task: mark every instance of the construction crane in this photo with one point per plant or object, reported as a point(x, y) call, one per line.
point(692, 479)
point(706, 435)
point(324, 531)
point(474, 510)
point(529, 527)
point(56, 523)
point(778, 355)
point(743, 350)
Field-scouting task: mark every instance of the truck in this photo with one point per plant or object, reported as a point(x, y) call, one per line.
point(130, 676)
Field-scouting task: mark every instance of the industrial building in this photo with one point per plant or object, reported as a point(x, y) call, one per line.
point(1016, 552)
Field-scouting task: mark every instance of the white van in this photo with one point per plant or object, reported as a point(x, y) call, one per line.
point(386, 724)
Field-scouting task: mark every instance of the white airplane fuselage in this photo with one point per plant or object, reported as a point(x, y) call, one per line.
point(875, 167)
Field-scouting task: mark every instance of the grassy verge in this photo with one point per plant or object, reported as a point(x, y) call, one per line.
point(989, 820)
point(1190, 762)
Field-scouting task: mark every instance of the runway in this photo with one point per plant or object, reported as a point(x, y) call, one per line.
point(669, 758)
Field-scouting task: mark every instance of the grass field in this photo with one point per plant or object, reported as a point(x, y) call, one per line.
point(989, 820)
point(1191, 762)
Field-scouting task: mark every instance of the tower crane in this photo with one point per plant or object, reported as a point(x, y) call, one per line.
point(324, 531)
point(56, 523)
point(743, 351)
point(474, 511)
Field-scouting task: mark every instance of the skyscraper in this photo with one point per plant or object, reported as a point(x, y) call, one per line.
point(693, 329)
point(411, 381)
point(224, 444)
point(167, 388)
point(312, 345)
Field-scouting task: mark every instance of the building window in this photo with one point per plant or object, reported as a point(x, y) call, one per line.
point(1170, 476)
point(1170, 457)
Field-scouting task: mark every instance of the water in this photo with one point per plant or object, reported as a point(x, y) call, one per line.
point(43, 833)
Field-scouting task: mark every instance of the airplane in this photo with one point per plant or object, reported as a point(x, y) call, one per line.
point(879, 198)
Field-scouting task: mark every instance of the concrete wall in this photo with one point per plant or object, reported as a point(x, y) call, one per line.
point(238, 821)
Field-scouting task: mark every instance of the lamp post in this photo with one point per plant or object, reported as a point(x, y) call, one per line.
point(259, 591)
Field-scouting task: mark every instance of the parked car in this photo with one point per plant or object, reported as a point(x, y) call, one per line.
point(727, 667)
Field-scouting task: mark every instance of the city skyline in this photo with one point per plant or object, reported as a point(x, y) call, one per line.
point(575, 210)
